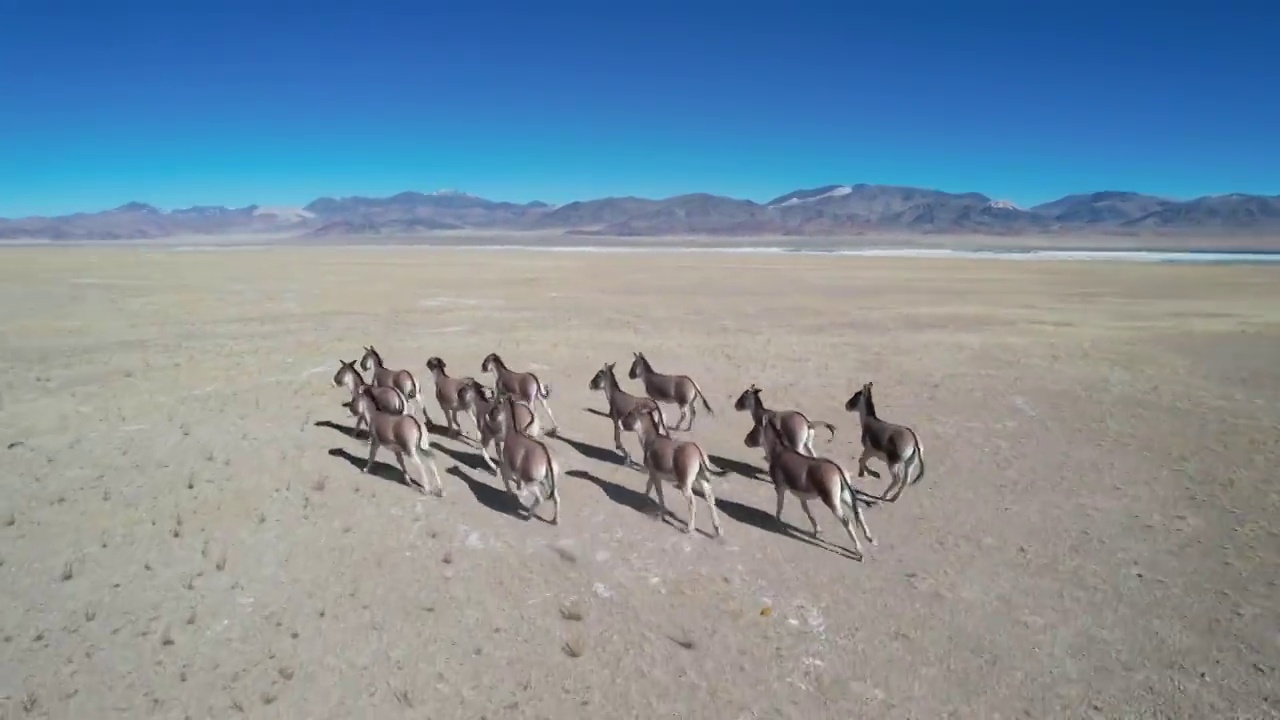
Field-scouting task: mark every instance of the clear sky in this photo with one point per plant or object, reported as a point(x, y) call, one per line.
point(281, 102)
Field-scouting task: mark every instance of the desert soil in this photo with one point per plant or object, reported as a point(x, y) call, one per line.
point(185, 530)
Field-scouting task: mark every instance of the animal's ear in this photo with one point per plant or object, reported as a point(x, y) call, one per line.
point(868, 385)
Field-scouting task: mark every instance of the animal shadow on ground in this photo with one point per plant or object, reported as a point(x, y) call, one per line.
point(745, 469)
point(496, 499)
point(597, 413)
point(472, 460)
point(592, 452)
point(350, 432)
point(758, 518)
point(384, 471)
point(626, 497)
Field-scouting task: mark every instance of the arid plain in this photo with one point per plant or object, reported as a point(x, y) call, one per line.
point(186, 532)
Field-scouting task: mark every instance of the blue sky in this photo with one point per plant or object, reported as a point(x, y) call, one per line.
point(178, 103)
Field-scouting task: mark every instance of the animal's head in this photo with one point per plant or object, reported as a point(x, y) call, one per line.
point(435, 364)
point(602, 377)
point(490, 363)
point(369, 357)
point(346, 373)
point(859, 400)
point(638, 363)
point(481, 390)
point(495, 420)
point(762, 435)
point(750, 398)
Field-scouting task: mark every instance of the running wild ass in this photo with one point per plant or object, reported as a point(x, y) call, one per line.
point(402, 380)
point(620, 402)
point(808, 478)
point(404, 434)
point(525, 419)
point(680, 462)
point(386, 399)
point(525, 463)
point(797, 431)
point(452, 398)
point(525, 386)
point(897, 446)
point(678, 390)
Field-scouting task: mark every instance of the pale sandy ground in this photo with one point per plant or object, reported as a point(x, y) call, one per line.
point(185, 532)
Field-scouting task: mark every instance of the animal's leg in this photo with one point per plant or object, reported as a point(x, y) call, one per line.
point(484, 452)
point(862, 523)
point(506, 479)
point(693, 508)
point(554, 427)
point(662, 500)
point(711, 503)
point(812, 520)
point(693, 411)
point(422, 471)
point(898, 483)
point(848, 526)
point(863, 470)
point(808, 443)
point(408, 479)
point(782, 494)
point(555, 504)
point(359, 422)
point(373, 450)
point(617, 443)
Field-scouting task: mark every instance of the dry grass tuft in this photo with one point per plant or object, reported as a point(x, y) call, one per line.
point(68, 570)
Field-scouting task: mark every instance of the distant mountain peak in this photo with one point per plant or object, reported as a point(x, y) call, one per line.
point(137, 207)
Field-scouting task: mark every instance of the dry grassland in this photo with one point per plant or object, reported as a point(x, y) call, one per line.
point(185, 532)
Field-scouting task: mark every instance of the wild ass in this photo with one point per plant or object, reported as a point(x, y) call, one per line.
point(483, 400)
point(402, 380)
point(897, 446)
point(452, 398)
point(404, 434)
point(525, 386)
point(386, 399)
point(620, 402)
point(682, 463)
point(807, 478)
point(679, 390)
point(524, 462)
point(796, 429)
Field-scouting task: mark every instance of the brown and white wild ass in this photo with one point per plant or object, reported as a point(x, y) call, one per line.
point(402, 380)
point(404, 434)
point(897, 446)
point(678, 390)
point(451, 396)
point(484, 400)
point(620, 402)
point(524, 386)
point(807, 478)
point(796, 429)
point(525, 463)
point(386, 399)
point(679, 462)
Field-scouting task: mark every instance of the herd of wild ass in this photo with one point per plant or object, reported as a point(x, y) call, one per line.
point(504, 417)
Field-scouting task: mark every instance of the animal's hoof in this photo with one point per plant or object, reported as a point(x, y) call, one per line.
point(872, 541)
point(555, 521)
point(364, 469)
point(688, 531)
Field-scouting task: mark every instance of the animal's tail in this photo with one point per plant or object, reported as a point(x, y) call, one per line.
point(830, 428)
point(706, 463)
point(553, 470)
point(544, 390)
point(702, 396)
point(919, 456)
point(404, 401)
point(848, 493)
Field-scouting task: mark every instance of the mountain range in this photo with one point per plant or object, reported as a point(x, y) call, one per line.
point(828, 211)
